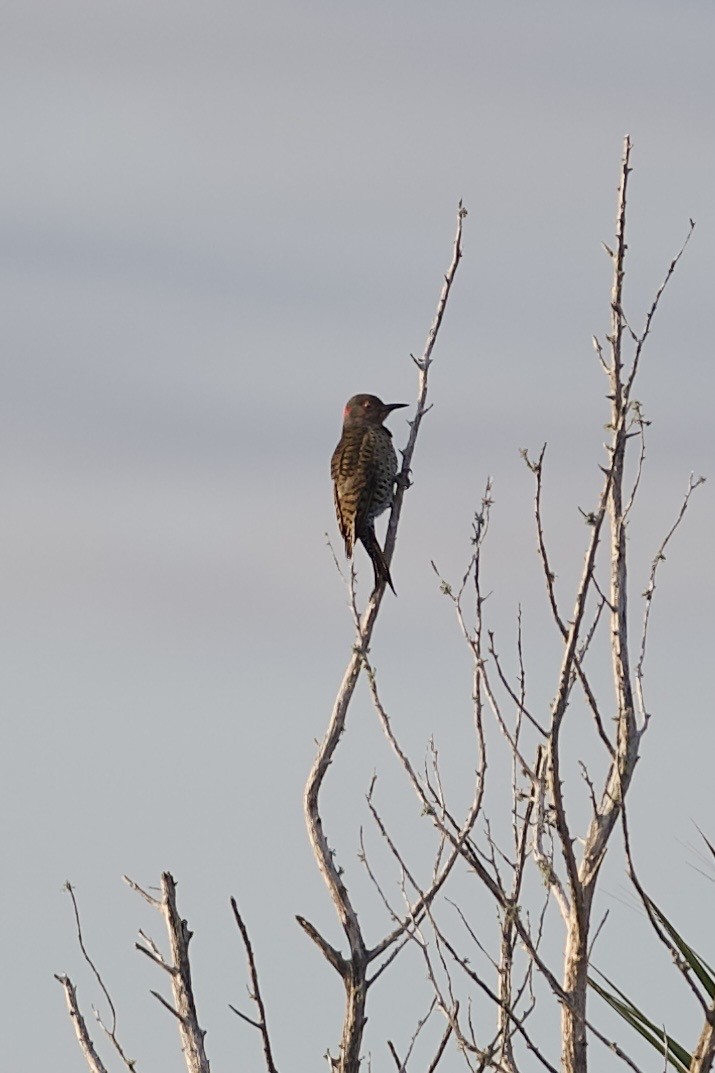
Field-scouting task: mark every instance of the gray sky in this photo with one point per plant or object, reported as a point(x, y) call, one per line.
point(218, 222)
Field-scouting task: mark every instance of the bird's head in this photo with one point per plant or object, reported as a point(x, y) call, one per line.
point(368, 410)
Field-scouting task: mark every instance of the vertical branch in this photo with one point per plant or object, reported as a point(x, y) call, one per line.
point(262, 1024)
point(703, 1058)
point(179, 971)
point(619, 415)
point(608, 809)
point(94, 1062)
point(354, 968)
point(568, 664)
point(423, 364)
point(192, 1035)
point(622, 764)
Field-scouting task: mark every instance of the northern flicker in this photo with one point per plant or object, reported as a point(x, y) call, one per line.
point(363, 468)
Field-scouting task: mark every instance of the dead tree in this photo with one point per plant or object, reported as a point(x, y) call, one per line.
point(545, 836)
point(544, 867)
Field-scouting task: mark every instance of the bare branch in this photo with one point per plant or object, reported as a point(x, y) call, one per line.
point(158, 959)
point(402, 1064)
point(693, 483)
point(537, 469)
point(704, 1053)
point(255, 994)
point(507, 1009)
point(84, 1039)
point(333, 956)
point(167, 1005)
point(654, 307)
point(441, 1049)
point(152, 950)
point(354, 968)
point(395, 1056)
point(179, 970)
point(423, 364)
point(80, 939)
point(111, 1031)
point(640, 422)
point(582, 879)
point(416, 910)
point(568, 665)
point(192, 1035)
point(154, 902)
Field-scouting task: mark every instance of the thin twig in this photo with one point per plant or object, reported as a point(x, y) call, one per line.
point(111, 1032)
point(654, 308)
point(693, 483)
point(255, 994)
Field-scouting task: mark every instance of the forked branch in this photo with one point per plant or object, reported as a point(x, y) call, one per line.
point(353, 968)
point(261, 1024)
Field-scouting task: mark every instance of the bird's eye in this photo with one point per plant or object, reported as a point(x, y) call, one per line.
point(366, 404)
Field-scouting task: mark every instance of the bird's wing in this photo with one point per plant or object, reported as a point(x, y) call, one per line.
point(344, 526)
point(344, 467)
point(369, 474)
point(335, 464)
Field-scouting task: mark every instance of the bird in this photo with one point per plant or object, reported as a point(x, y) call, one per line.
point(363, 469)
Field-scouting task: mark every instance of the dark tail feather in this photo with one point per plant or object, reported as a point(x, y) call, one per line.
point(379, 563)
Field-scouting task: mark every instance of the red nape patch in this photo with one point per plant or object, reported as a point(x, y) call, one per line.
point(346, 410)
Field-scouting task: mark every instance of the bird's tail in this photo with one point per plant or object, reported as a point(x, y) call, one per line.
point(379, 562)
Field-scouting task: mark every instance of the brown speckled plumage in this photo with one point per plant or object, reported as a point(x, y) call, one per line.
point(363, 468)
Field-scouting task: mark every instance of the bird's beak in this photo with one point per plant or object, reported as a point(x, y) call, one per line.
point(390, 406)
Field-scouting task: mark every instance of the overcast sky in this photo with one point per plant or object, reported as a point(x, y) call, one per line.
point(218, 222)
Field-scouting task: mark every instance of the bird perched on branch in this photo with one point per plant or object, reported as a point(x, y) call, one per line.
point(363, 468)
